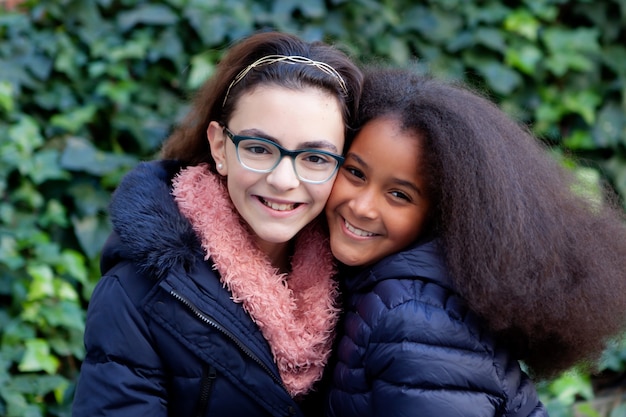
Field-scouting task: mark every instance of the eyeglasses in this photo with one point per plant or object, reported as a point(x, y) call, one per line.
point(262, 155)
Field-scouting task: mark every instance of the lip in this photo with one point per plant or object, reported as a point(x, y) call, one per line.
point(355, 232)
point(279, 207)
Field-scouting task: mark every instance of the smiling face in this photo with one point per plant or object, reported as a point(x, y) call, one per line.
point(277, 205)
point(378, 205)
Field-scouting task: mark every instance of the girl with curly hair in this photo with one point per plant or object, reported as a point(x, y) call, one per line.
point(466, 249)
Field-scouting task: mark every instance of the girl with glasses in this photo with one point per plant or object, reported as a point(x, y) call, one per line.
point(467, 249)
point(217, 294)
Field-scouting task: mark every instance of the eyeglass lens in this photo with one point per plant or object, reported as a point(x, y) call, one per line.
point(265, 156)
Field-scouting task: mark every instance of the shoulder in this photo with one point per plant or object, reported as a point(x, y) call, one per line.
point(423, 312)
point(411, 290)
point(116, 325)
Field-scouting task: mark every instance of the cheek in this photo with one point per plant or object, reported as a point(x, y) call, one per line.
point(239, 178)
point(320, 193)
point(411, 229)
point(337, 194)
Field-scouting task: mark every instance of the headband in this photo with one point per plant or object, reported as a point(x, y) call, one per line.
point(291, 59)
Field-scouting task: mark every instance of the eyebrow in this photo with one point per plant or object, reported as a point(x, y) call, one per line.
point(398, 181)
point(314, 144)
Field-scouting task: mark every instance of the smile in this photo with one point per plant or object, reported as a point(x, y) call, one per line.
point(279, 206)
point(356, 231)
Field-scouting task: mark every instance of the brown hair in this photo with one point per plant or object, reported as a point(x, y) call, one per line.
point(544, 266)
point(189, 144)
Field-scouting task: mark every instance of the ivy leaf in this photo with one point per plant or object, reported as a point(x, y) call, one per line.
point(91, 232)
point(491, 38)
point(446, 25)
point(202, 68)
point(42, 285)
point(579, 140)
point(37, 357)
point(55, 214)
point(9, 254)
point(524, 58)
point(583, 103)
point(313, 8)
point(501, 79)
point(398, 50)
point(6, 96)
point(64, 314)
point(209, 26)
point(46, 167)
point(610, 127)
point(73, 263)
point(570, 49)
point(37, 384)
point(73, 121)
point(81, 155)
point(25, 137)
point(147, 14)
point(615, 56)
point(570, 385)
point(523, 23)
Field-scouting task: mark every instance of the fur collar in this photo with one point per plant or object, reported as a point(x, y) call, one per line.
point(150, 228)
point(296, 312)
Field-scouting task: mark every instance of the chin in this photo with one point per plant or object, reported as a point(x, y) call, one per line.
point(273, 236)
point(277, 240)
point(348, 260)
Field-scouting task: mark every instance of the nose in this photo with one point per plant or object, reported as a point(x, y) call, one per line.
point(364, 204)
point(283, 177)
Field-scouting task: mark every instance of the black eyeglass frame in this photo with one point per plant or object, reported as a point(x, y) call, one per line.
point(283, 152)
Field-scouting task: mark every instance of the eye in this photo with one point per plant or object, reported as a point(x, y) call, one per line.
point(400, 195)
point(315, 158)
point(256, 147)
point(354, 172)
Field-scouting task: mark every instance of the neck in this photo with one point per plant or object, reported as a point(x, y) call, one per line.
point(278, 254)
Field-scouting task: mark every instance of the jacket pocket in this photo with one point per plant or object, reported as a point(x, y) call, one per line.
point(209, 374)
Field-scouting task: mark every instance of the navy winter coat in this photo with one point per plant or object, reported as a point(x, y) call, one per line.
point(163, 336)
point(410, 347)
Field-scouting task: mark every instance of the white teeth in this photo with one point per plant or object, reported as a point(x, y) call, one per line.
point(277, 206)
point(356, 231)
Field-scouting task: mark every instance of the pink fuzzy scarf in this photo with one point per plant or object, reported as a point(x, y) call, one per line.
point(296, 312)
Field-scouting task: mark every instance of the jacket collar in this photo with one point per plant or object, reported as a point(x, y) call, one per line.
point(148, 227)
point(423, 259)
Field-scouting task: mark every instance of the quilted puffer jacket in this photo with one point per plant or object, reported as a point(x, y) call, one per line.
point(411, 347)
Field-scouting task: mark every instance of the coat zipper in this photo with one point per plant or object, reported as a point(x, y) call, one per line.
point(208, 378)
point(211, 322)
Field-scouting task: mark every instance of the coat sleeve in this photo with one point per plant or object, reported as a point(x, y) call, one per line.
point(422, 359)
point(121, 374)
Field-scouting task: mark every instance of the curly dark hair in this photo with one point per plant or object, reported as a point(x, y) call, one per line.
point(543, 265)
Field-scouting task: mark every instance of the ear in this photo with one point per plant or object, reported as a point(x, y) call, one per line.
point(217, 142)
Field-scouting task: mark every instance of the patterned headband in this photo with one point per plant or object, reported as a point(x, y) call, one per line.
point(291, 59)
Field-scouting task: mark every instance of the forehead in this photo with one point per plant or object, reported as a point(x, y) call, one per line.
point(290, 116)
point(388, 148)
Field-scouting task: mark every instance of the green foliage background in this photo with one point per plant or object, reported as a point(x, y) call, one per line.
point(90, 87)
